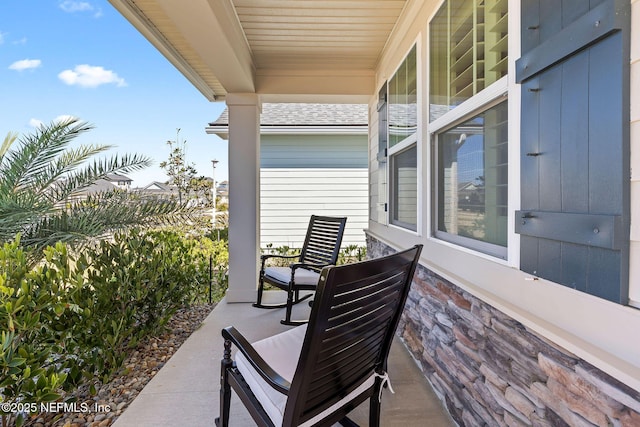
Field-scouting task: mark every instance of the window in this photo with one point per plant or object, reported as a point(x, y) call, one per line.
point(468, 51)
point(471, 167)
point(402, 143)
point(468, 64)
point(403, 115)
point(404, 184)
point(378, 210)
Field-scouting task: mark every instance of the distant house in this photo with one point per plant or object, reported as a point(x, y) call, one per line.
point(200, 197)
point(159, 189)
point(222, 192)
point(120, 181)
point(313, 160)
point(109, 183)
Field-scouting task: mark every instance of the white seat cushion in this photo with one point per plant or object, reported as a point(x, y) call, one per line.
point(282, 352)
point(302, 277)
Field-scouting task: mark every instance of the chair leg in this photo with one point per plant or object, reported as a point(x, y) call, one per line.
point(290, 302)
point(225, 389)
point(374, 410)
point(260, 289)
point(347, 422)
point(293, 297)
point(258, 302)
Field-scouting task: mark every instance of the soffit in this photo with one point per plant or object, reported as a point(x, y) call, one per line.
point(284, 46)
point(317, 35)
point(150, 19)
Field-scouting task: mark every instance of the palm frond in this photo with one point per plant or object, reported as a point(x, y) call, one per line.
point(79, 180)
point(64, 164)
point(36, 151)
point(6, 144)
point(42, 177)
point(102, 214)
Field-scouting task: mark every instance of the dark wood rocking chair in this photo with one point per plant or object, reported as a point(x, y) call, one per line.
point(315, 374)
point(320, 248)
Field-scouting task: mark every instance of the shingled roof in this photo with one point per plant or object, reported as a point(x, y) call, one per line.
point(302, 115)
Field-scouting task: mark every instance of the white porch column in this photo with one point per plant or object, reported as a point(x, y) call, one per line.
point(244, 196)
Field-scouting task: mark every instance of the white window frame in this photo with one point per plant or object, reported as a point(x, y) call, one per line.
point(490, 249)
point(478, 103)
point(406, 144)
point(485, 99)
point(472, 106)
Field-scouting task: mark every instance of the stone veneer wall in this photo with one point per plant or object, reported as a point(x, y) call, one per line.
point(489, 369)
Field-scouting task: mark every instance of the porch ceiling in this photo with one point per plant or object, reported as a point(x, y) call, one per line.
point(281, 49)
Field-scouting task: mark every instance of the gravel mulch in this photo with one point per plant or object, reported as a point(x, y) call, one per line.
point(113, 398)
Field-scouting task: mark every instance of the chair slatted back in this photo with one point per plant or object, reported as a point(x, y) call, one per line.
point(350, 331)
point(323, 240)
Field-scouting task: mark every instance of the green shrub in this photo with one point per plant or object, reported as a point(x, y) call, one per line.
point(282, 251)
point(138, 281)
point(352, 253)
point(212, 258)
point(72, 320)
point(33, 342)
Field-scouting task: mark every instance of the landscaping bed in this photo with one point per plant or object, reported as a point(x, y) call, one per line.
point(113, 398)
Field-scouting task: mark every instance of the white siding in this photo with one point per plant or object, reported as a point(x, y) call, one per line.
point(289, 196)
point(304, 175)
point(313, 151)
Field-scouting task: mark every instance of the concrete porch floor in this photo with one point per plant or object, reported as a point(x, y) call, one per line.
point(185, 392)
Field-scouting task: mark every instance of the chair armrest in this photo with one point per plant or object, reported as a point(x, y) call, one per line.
point(266, 372)
point(267, 256)
point(307, 265)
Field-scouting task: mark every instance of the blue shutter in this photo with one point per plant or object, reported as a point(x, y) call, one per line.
point(574, 74)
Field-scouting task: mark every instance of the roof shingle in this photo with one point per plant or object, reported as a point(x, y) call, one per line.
point(297, 114)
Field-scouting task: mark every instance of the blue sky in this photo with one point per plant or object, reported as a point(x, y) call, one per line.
point(81, 58)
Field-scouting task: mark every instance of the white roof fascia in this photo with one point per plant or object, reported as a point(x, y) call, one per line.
point(135, 16)
point(314, 130)
point(223, 131)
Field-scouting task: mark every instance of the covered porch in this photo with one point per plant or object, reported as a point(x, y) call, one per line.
point(186, 390)
point(518, 325)
point(246, 53)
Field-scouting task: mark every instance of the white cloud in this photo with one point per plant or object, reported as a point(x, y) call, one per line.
point(4, 39)
point(25, 64)
point(90, 76)
point(73, 6)
point(35, 123)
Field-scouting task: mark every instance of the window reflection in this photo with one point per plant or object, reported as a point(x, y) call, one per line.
point(472, 178)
